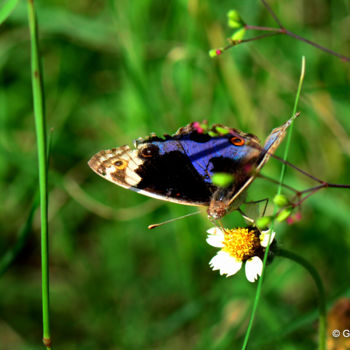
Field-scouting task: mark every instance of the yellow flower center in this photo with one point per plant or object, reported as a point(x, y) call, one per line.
point(241, 243)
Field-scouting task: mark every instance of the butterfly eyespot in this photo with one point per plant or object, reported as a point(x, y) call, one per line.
point(149, 151)
point(237, 141)
point(121, 164)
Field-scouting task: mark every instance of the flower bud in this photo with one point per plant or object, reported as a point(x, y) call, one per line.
point(280, 200)
point(234, 20)
point(284, 214)
point(222, 179)
point(215, 52)
point(263, 222)
point(238, 34)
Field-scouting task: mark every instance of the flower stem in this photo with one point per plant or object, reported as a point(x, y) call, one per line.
point(259, 287)
point(321, 292)
point(256, 301)
point(289, 136)
point(283, 30)
point(40, 126)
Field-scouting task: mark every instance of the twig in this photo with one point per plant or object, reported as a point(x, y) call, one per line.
point(283, 30)
point(277, 31)
point(272, 13)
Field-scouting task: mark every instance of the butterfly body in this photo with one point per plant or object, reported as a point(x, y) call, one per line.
point(179, 168)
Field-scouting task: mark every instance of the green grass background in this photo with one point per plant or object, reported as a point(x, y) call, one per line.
point(117, 70)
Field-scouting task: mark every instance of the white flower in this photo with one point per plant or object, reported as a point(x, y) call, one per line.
point(237, 246)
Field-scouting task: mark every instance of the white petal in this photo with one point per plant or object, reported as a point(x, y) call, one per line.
point(219, 260)
point(214, 230)
point(253, 268)
point(225, 263)
point(216, 237)
point(232, 267)
point(265, 237)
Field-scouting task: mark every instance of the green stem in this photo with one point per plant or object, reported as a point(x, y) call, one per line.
point(321, 292)
point(283, 170)
point(256, 300)
point(40, 126)
point(289, 136)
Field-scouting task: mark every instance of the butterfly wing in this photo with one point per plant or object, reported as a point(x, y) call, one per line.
point(179, 168)
point(169, 177)
point(272, 142)
point(176, 168)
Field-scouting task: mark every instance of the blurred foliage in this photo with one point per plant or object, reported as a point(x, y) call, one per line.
point(116, 70)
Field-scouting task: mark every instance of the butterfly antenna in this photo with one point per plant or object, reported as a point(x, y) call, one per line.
point(150, 227)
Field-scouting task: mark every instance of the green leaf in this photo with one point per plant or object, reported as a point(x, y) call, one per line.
point(6, 9)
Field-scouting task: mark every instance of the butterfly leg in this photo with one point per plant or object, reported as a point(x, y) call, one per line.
point(245, 217)
point(297, 198)
point(216, 223)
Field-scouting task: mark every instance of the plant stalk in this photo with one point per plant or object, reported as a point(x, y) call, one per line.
point(40, 126)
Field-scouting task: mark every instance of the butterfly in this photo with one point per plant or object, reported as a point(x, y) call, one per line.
point(180, 168)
